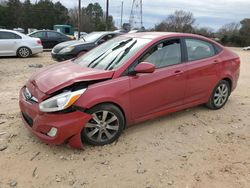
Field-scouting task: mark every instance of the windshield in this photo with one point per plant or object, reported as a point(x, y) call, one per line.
point(112, 54)
point(92, 37)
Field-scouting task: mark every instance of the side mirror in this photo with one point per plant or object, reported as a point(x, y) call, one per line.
point(144, 67)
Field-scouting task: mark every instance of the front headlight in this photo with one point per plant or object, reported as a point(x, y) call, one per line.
point(67, 49)
point(61, 101)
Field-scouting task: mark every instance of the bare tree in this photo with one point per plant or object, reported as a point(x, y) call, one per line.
point(180, 21)
point(205, 31)
point(229, 29)
point(229, 34)
point(73, 14)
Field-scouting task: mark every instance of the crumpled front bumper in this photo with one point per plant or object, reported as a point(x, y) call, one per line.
point(68, 125)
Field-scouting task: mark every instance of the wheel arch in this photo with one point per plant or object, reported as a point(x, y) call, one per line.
point(24, 47)
point(115, 104)
point(229, 80)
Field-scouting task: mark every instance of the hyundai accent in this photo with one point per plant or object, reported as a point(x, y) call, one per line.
point(127, 80)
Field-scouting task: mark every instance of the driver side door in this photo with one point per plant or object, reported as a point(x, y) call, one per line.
point(163, 89)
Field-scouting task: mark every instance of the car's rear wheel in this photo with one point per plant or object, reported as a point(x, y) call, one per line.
point(219, 96)
point(23, 52)
point(105, 126)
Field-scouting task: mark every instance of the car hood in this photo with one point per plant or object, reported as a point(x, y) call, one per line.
point(59, 76)
point(62, 45)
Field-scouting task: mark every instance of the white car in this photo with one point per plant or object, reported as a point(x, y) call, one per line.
point(246, 48)
point(13, 43)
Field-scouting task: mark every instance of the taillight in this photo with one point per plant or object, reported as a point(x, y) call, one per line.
point(39, 42)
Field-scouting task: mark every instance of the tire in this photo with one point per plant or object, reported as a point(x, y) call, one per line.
point(24, 52)
point(220, 95)
point(105, 127)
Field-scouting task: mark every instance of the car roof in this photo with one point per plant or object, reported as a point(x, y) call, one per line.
point(47, 30)
point(16, 32)
point(158, 35)
point(104, 32)
point(11, 31)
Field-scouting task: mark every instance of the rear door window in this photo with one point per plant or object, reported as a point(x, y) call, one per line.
point(54, 35)
point(39, 35)
point(9, 35)
point(199, 49)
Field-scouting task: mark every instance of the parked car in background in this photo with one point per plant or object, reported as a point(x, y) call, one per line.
point(72, 49)
point(50, 38)
point(13, 43)
point(246, 48)
point(127, 80)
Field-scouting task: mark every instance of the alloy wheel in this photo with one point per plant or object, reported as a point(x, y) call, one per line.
point(103, 126)
point(24, 52)
point(221, 94)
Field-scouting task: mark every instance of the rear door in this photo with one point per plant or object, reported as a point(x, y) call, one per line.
point(202, 70)
point(9, 43)
point(163, 89)
point(55, 38)
point(42, 36)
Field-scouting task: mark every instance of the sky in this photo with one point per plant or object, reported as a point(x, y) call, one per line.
point(208, 13)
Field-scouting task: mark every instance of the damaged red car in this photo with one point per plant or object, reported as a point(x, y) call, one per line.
point(127, 80)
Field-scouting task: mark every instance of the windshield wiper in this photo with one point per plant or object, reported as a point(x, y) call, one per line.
point(106, 53)
point(123, 43)
point(126, 51)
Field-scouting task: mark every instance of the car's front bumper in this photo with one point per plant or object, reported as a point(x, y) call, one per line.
point(62, 57)
point(68, 125)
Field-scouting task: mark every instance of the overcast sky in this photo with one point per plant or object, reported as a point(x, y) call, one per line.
point(209, 13)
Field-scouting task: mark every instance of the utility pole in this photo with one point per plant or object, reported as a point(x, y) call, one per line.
point(79, 18)
point(107, 15)
point(122, 14)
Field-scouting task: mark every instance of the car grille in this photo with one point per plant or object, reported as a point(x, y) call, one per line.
point(29, 97)
point(28, 119)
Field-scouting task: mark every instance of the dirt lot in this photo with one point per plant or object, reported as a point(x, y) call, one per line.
point(192, 148)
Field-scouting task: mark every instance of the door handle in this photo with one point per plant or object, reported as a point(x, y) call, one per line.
point(216, 61)
point(178, 72)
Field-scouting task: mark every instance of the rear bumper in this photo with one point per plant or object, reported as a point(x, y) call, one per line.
point(68, 125)
point(37, 49)
point(235, 79)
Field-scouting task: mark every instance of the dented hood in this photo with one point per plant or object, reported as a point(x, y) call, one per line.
point(59, 76)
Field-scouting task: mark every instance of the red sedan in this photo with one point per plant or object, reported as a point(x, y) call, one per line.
point(127, 80)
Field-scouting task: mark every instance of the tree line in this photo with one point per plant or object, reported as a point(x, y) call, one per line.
point(44, 14)
point(231, 34)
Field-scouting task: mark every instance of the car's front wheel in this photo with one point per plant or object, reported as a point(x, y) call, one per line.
point(105, 126)
point(220, 95)
point(23, 52)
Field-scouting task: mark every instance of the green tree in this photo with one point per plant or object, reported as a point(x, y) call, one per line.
point(14, 13)
point(92, 18)
point(28, 20)
point(245, 32)
point(4, 21)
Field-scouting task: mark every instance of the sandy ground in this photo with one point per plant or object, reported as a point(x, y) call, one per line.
point(192, 148)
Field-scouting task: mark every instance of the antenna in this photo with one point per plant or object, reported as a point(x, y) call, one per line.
point(136, 20)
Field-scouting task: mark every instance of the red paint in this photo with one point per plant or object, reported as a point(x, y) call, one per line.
point(145, 67)
point(148, 94)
